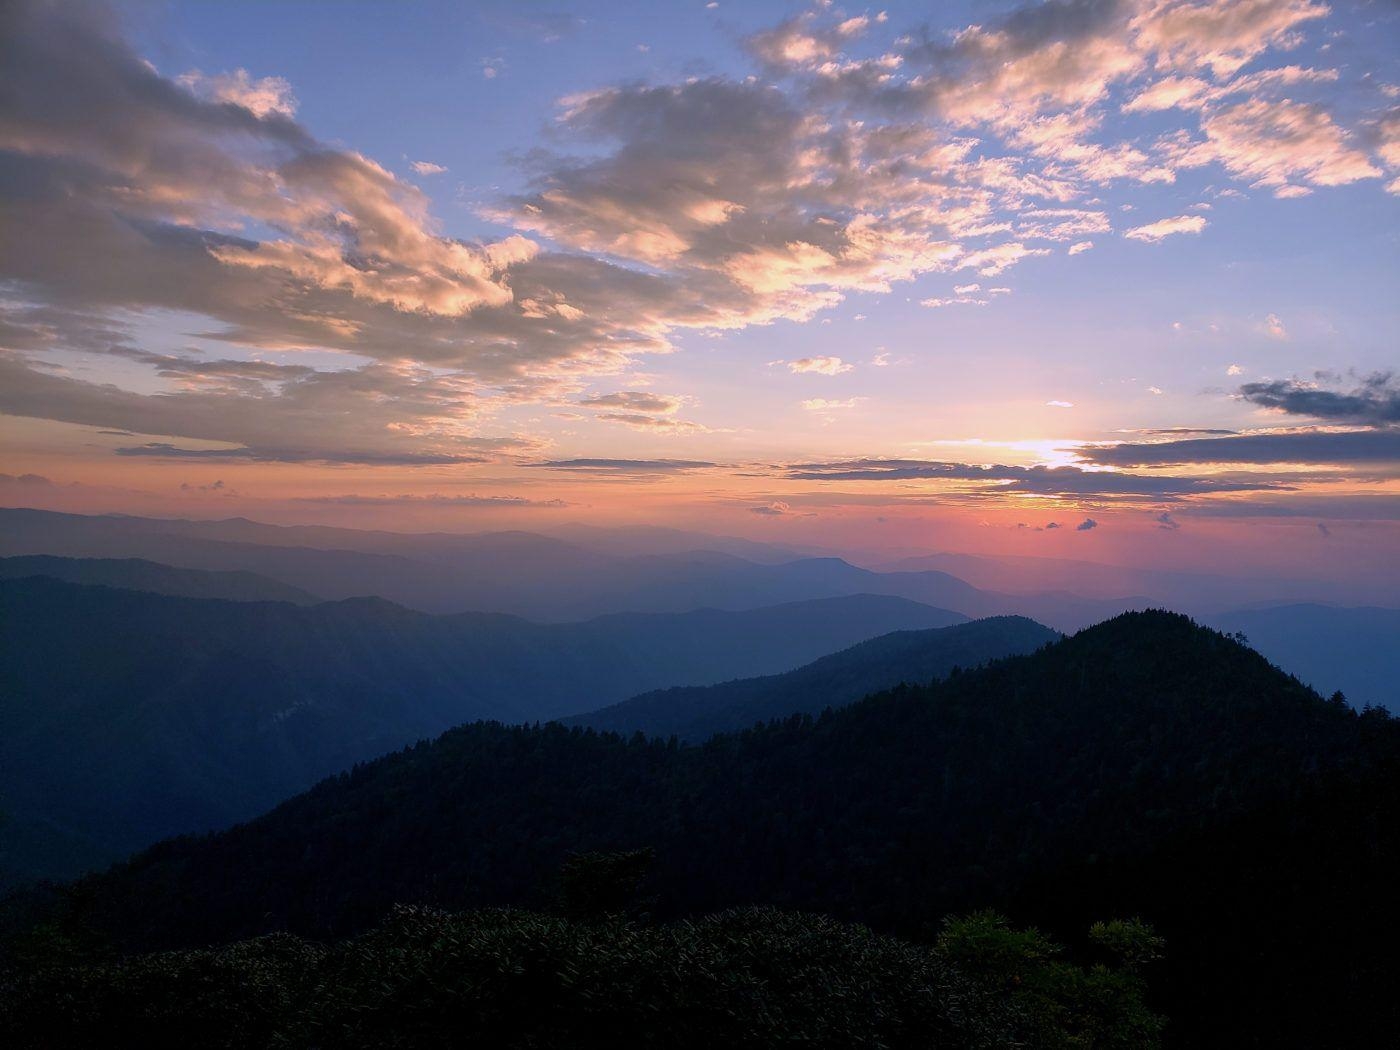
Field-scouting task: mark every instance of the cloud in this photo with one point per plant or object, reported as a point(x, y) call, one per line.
point(1280, 144)
point(31, 481)
point(823, 404)
point(1051, 525)
point(635, 401)
point(1326, 532)
point(427, 167)
point(641, 421)
point(1059, 404)
point(1371, 446)
point(1166, 521)
point(265, 97)
point(432, 500)
point(991, 261)
point(1164, 228)
point(1375, 400)
point(1086, 525)
point(1040, 480)
point(643, 410)
point(773, 510)
point(1080, 247)
point(826, 366)
point(843, 165)
point(1178, 431)
point(268, 412)
point(621, 467)
point(261, 454)
point(1275, 328)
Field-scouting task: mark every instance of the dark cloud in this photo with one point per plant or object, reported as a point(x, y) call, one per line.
point(1167, 522)
point(1183, 431)
point(633, 401)
point(1040, 480)
point(163, 450)
point(432, 500)
point(775, 509)
point(625, 466)
point(1369, 446)
point(376, 414)
point(1375, 400)
point(1086, 525)
point(25, 480)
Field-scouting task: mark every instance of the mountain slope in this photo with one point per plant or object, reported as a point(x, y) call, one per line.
point(127, 716)
point(137, 574)
point(695, 713)
point(1143, 744)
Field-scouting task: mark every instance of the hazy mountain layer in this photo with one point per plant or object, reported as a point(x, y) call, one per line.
point(127, 716)
point(522, 574)
point(137, 574)
point(695, 713)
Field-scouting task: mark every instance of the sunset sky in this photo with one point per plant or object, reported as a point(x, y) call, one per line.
point(1101, 279)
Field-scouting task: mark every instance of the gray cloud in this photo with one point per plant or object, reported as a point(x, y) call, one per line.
point(164, 450)
point(432, 500)
point(625, 466)
point(1041, 480)
point(633, 401)
point(376, 414)
point(1369, 446)
point(25, 480)
point(1375, 400)
point(1086, 525)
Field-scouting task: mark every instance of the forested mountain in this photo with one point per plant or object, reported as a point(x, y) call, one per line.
point(137, 574)
point(695, 713)
point(126, 717)
point(1145, 766)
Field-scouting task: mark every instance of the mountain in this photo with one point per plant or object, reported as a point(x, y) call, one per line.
point(522, 574)
point(1329, 648)
point(127, 716)
point(1256, 825)
point(137, 574)
point(695, 713)
point(630, 540)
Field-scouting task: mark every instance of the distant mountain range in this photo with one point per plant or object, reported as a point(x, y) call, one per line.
point(137, 574)
point(523, 574)
point(585, 572)
point(127, 716)
point(1146, 766)
point(695, 713)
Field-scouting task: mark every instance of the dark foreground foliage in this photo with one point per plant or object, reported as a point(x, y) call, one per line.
point(503, 979)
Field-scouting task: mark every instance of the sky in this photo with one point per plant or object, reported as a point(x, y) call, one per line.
point(1103, 279)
